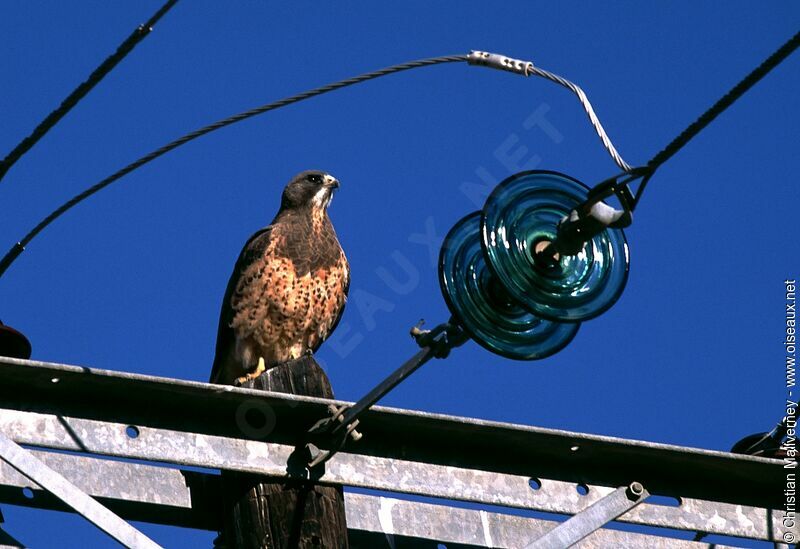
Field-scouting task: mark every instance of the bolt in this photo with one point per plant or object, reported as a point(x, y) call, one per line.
point(635, 491)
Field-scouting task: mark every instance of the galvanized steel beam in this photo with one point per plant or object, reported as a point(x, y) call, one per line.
point(7, 541)
point(591, 519)
point(392, 475)
point(388, 517)
point(416, 436)
point(25, 462)
point(372, 519)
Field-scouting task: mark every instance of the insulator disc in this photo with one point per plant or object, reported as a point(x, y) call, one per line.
point(484, 308)
point(523, 212)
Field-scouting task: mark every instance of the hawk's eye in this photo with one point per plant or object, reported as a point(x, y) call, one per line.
point(314, 178)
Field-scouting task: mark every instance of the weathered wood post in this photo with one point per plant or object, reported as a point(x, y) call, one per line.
point(265, 513)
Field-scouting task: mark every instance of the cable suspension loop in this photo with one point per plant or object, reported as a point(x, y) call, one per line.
point(587, 106)
point(527, 68)
point(492, 60)
point(585, 222)
point(84, 88)
point(524, 68)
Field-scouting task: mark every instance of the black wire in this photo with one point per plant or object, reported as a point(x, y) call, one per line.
point(12, 254)
point(674, 146)
point(85, 87)
point(646, 172)
point(726, 101)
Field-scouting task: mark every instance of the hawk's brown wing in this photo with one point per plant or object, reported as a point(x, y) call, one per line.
point(226, 342)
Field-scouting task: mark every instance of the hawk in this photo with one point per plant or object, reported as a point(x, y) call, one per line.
point(288, 288)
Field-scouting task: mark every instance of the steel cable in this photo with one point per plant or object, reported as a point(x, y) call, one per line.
point(724, 102)
point(85, 87)
point(527, 69)
point(587, 106)
point(19, 247)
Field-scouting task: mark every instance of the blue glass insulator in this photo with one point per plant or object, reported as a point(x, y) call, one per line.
point(482, 306)
point(521, 214)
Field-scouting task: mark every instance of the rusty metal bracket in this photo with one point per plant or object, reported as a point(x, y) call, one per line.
point(594, 517)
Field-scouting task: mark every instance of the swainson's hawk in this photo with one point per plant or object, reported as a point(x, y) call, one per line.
point(288, 288)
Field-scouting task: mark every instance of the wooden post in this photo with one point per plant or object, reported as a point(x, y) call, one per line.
point(264, 513)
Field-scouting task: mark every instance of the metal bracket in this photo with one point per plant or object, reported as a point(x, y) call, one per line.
point(594, 216)
point(335, 428)
point(334, 431)
point(24, 462)
point(594, 517)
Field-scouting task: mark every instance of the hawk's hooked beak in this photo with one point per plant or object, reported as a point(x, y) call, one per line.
point(330, 182)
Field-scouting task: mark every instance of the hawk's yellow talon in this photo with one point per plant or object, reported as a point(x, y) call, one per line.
point(260, 369)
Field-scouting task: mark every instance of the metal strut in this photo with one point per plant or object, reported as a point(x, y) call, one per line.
point(594, 517)
point(334, 431)
point(24, 462)
point(7, 541)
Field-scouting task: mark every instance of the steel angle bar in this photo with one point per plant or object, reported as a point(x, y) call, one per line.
point(7, 541)
point(111, 480)
point(24, 462)
point(135, 492)
point(386, 518)
point(203, 408)
point(591, 519)
point(370, 518)
point(393, 475)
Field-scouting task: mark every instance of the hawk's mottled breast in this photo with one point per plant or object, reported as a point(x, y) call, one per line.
point(287, 292)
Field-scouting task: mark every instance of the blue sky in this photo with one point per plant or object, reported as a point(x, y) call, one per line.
point(132, 279)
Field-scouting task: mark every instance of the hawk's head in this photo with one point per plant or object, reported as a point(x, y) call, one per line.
point(311, 189)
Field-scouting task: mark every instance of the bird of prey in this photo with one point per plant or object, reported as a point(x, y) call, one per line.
point(288, 288)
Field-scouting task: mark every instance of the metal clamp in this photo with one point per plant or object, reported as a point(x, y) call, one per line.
point(331, 426)
point(334, 431)
point(442, 339)
point(500, 62)
point(594, 216)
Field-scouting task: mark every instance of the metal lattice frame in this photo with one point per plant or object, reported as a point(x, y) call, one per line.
point(96, 413)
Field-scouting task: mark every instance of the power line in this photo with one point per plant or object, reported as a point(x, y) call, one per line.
point(85, 87)
point(587, 106)
point(525, 68)
point(19, 247)
point(715, 110)
point(477, 58)
point(724, 102)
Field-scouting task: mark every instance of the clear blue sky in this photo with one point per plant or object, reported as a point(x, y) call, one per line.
point(132, 279)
